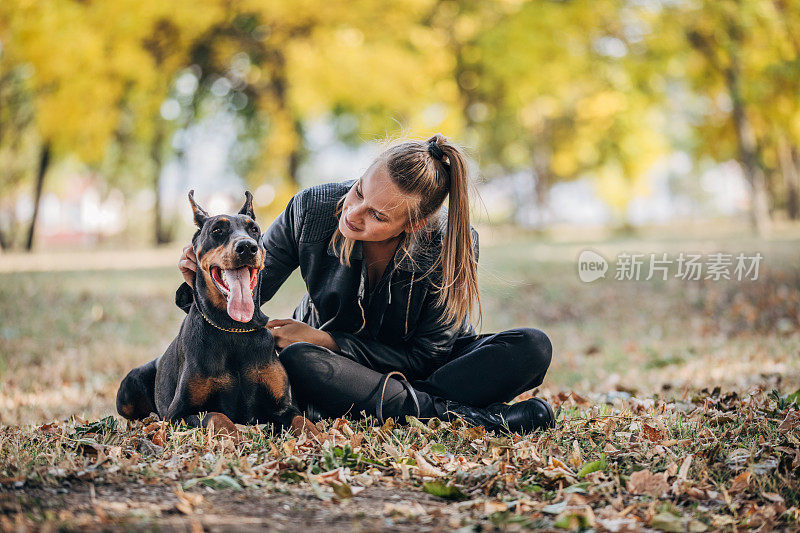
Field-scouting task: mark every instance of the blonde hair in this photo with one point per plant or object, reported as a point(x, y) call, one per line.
point(433, 170)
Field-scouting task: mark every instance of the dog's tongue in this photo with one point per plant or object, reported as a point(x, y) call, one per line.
point(240, 300)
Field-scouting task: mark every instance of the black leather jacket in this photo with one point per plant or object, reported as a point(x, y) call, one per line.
point(396, 327)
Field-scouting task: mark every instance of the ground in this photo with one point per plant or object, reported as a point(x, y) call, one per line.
point(677, 405)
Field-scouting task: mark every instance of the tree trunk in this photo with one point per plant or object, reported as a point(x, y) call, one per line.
point(278, 87)
point(746, 143)
point(44, 164)
point(795, 198)
point(5, 242)
point(791, 179)
point(541, 160)
point(747, 147)
point(160, 234)
point(296, 156)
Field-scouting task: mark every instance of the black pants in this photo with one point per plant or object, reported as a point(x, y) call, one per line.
point(481, 370)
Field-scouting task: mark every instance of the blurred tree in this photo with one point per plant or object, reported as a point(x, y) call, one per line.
point(19, 143)
point(147, 56)
point(741, 57)
point(71, 113)
point(119, 54)
point(557, 88)
point(373, 69)
point(384, 69)
point(774, 89)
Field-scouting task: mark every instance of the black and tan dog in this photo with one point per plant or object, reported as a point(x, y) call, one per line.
point(223, 361)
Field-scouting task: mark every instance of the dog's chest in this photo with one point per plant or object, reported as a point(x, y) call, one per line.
point(246, 381)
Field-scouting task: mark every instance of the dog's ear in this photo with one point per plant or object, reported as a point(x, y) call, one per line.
point(200, 214)
point(247, 208)
point(184, 297)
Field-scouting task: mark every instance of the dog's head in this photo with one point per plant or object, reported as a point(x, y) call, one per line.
point(229, 258)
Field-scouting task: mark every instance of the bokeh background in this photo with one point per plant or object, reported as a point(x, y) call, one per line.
point(616, 125)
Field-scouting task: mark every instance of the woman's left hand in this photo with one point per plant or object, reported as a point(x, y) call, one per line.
point(287, 331)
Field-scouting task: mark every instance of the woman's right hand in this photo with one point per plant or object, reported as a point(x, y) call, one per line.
point(188, 265)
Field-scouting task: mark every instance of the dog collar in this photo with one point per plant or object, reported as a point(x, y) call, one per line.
point(231, 330)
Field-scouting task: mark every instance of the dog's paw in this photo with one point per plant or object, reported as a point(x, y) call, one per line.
point(301, 424)
point(221, 425)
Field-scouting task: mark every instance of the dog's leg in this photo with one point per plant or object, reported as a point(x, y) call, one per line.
point(289, 417)
point(136, 394)
point(183, 408)
point(219, 423)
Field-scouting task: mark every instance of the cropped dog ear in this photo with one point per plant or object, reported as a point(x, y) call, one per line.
point(200, 214)
point(247, 208)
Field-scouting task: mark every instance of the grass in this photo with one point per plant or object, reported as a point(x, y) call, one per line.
point(675, 405)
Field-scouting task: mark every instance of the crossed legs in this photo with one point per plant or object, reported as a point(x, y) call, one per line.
point(481, 370)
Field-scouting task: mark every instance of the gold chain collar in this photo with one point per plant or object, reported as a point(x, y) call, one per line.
point(232, 330)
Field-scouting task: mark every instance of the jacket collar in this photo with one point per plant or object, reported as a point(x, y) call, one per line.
point(423, 252)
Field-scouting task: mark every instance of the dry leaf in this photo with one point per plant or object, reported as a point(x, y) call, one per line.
point(404, 509)
point(773, 497)
point(425, 468)
point(187, 501)
point(646, 482)
point(740, 482)
point(791, 422)
point(575, 459)
point(579, 400)
point(331, 477)
point(651, 433)
point(683, 473)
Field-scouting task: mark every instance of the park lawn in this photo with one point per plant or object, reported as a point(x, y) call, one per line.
point(677, 408)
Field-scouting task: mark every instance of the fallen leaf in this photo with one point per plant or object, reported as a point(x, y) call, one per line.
point(683, 473)
point(342, 490)
point(773, 497)
point(594, 466)
point(740, 482)
point(664, 521)
point(404, 509)
point(791, 422)
point(646, 482)
point(651, 433)
point(425, 468)
point(448, 492)
point(187, 502)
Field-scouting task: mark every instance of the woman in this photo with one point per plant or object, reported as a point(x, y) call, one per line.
point(392, 282)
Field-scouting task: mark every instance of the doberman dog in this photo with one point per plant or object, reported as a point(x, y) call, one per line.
point(223, 361)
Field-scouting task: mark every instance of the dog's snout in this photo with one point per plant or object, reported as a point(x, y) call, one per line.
point(246, 248)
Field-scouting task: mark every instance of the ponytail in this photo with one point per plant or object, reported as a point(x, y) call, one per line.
point(459, 290)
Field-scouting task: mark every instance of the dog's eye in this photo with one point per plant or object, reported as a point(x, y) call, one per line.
point(254, 231)
point(216, 232)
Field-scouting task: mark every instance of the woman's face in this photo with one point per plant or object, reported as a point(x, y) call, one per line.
point(375, 209)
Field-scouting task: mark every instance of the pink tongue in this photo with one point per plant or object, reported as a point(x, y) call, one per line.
point(240, 300)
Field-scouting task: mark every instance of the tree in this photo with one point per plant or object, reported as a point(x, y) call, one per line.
point(71, 113)
point(740, 58)
point(557, 88)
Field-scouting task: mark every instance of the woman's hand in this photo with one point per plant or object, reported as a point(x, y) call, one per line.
point(286, 331)
point(188, 265)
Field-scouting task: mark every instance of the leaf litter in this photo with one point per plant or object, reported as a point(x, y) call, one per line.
point(731, 461)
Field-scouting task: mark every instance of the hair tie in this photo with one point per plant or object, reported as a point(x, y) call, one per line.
point(435, 151)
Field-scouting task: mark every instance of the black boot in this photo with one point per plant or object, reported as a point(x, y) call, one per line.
point(521, 417)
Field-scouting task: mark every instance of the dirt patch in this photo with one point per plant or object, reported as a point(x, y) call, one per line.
point(141, 506)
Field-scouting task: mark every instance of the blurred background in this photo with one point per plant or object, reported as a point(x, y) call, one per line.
point(622, 125)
